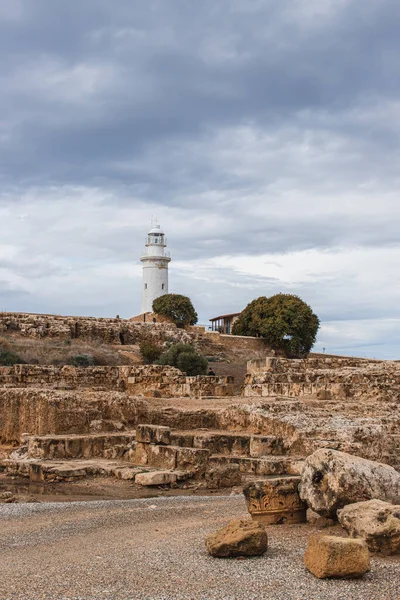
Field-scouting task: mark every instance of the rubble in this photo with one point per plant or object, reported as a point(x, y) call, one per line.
point(240, 537)
point(332, 479)
point(375, 521)
point(331, 556)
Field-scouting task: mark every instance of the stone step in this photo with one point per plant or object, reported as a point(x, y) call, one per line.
point(74, 470)
point(271, 465)
point(102, 445)
point(216, 441)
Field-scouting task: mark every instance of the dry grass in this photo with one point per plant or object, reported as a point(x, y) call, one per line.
point(60, 352)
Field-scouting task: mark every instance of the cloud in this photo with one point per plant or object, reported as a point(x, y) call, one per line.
point(264, 136)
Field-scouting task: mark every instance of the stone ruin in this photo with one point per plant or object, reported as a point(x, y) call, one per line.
point(153, 425)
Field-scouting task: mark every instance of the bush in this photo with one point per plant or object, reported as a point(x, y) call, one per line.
point(150, 351)
point(284, 321)
point(192, 363)
point(186, 358)
point(82, 360)
point(177, 308)
point(9, 358)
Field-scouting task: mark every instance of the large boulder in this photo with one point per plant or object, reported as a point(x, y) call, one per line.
point(240, 537)
point(331, 556)
point(332, 479)
point(377, 522)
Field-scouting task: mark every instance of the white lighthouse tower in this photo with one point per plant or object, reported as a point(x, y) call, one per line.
point(155, 267)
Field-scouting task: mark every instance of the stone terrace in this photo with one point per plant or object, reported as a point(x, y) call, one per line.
point(124, 421)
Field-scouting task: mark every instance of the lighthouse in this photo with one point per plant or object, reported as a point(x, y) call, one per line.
point(155, 261)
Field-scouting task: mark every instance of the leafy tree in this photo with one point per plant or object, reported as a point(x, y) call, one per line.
point(186, 358)
point(284, 320)
point(150, 351)
point(178, 308)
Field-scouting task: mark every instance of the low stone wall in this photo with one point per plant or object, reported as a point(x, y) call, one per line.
point(324, 378)
point(108, 331)
point(148, 380)
point(282, 365)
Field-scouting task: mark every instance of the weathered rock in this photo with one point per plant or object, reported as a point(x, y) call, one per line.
point(377, 522)
point(332, 479)
point(153, 434)
point(330, 556)
point(317, 520)
point(224, 476)
point(275, 501)
point(156, 478)
point(240, 537)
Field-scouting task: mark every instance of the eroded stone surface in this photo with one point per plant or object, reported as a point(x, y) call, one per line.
point(331, 480)
point(224, 476)
point(377, 522)
point(330, 556)
point(240, 537)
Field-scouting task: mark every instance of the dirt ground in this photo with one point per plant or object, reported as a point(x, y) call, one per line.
point(154, 549)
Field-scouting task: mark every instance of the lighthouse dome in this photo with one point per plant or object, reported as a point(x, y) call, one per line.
point(156, 229)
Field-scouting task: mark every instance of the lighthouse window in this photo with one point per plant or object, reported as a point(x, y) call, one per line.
point(163, 286)
point(145, 286)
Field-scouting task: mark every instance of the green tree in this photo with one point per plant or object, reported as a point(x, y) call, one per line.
point(150, 351)
point(284, 320)
point(186, 358)
point(178, 308)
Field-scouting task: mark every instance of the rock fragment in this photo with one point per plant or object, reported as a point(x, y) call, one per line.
point(330, 556)
point(332, 479)
point(377, 522)
point(240, 537)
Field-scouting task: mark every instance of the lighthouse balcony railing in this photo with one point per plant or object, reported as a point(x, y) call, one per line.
point(147, 253)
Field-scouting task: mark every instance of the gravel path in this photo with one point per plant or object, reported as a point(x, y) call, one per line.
point(154, 549)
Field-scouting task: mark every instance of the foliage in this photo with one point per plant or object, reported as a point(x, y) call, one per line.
point(150, 351)
point(82, 360)
point(9, 358)
point(186, 358)
point(178, 308)
point(284, 320)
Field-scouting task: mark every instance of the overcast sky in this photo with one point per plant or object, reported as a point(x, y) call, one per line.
point(263, 134)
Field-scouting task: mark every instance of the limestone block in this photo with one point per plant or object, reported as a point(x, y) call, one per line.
point(223, 477)
point(163, 457)
point(275, 501)
point(261, 445)
point(330, 556)
point(155, 478)
point(153, 434)
point(141, 454)
point(240, 537)
point(377, 522)
point(192, 459)
point(332, 479)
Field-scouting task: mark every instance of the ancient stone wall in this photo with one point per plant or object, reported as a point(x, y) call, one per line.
point(107, 331)
point(280, 364)
point(324, 378)
point(148, 380)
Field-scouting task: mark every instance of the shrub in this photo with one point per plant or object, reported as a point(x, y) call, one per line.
point(192, 363)
point(186, 358)
point(177, 308)
point(284, 321)
point(150, 351)
point(82, 360)
point(9, 358)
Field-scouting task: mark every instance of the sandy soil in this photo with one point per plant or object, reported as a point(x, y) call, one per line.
point(154, 549)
